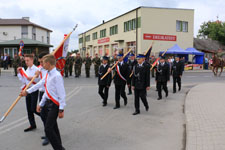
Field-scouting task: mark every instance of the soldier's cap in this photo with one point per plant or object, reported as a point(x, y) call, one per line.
point(132, 54)
point(105, 58)
point(140, 56)
point(162, 57)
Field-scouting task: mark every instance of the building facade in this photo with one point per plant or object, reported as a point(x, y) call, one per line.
point(14, 30)
point(138, 28)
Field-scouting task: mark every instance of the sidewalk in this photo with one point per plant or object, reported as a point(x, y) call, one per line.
point(205, 117)
point(198, 70)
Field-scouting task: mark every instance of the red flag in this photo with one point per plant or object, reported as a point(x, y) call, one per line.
point(21, 48)
point(61, 52)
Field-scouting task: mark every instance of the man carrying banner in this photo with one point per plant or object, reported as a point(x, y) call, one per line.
point(140, 83)
point(122, 73)
point(105, 83)
point(31, 99)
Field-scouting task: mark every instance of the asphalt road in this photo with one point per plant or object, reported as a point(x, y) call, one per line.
point(89, 126)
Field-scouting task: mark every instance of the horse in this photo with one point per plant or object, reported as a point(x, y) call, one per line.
point(217, 63)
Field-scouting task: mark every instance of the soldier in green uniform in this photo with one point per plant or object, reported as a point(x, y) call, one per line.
point(16, 63)
point(71, 61)
point(97, 62)
point(66, 67)
point(87, 62)
point(114, 59)
point(77, 65)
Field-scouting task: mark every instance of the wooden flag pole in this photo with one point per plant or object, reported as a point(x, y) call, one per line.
point(15, 102)
point(115, 65)
point(27, 86)
point(156, 59)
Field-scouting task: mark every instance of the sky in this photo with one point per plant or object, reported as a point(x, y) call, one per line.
point(62, 15)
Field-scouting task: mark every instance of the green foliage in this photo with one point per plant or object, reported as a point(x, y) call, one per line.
point(213, 30)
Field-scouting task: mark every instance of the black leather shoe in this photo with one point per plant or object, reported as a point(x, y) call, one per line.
point(45, 142)
point(30, 129)
point(159, 98)
point(174, 91)
point(125, 102)
point(147, 108)
point(167, 94)
point(116, 107)
point(136, 113)
point(43, 137)
point(104, 105)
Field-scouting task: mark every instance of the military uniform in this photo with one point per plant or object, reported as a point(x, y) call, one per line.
point(71, 61)
point(97, 62)
point(176, 71)
point(162, 76)
point(77, 66)
point(140, 81)
point(113, 61)
point(16, 64)
point(122, 73)
point(105, 83)
point(87, 61)
point(131, 64)
point(66, 67)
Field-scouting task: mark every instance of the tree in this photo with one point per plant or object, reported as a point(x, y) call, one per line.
point(213, 30)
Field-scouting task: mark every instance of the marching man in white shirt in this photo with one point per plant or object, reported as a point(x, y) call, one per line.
point(53, 101)
point(31, 99)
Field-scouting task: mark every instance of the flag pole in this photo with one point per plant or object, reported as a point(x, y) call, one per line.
point(115, 65)
point(15, 102)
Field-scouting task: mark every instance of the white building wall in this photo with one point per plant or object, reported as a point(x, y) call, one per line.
point(11, 31)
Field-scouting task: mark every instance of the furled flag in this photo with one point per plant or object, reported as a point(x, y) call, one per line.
point(147, 55)
point(21, 48)
point(61, 52)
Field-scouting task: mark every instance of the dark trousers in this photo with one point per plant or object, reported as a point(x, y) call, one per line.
point(51, 126)
point(161, 85)
point(77, 70)
point(140, 94)
point(71, 70)
point(87, 70)
point(178, 81)
point(120, 91)
point(104, 94)
point(5, 65)
point(43, 113)
point(31, 104)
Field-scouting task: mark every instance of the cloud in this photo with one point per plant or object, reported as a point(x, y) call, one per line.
point(61, 16)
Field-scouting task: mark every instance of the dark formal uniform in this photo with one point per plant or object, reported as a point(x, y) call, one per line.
point(153, 70)
point(87, 61)
point(66, 67)
point(162, 76)
point(176, 71)
point(120, 80)
point(77, 66)
point(97, 62)
point(140, 81)
point(71, 61)
point(113, 61)
point(105, 83)
point(131, 64)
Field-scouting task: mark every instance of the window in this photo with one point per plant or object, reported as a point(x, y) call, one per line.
point(33, 33)
point(42, 39)
point(48, 37)
point(103, 33)
point(87, 38)
point(185, 26)
point(114, 30)
point(95, 36)
point(132, 24)
point(181, 26)
point(27, 51)
point(10, 51)
point(80, 40)
point(24, 31)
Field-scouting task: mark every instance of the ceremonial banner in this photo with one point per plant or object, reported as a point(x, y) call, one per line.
point(21, 48)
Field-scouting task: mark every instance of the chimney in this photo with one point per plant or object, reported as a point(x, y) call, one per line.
point(26, 18)
point(103, 21)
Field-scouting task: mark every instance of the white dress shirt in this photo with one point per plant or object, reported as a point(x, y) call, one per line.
point(55, 87)
point(40, 84)
point(30, 73)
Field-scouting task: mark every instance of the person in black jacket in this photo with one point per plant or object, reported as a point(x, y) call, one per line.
point(141, 83)
point(121, 76)
point(131, 63)
point(176, 71)
point(105, 83)
point(162, 77)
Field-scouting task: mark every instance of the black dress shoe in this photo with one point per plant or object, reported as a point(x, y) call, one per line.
point(104, 105)
point(45, 142)
point(174, 91)
point(136, 113)
point(147, 108)
point(30, 129)
point(43, 137)
point(116, 107)
point(159, 98)
point(167, 94)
